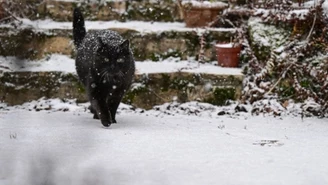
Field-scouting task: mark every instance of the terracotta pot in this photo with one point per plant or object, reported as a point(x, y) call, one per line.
point(2, 11)
point(200, 17)
point(228, 54)
point(201, 13)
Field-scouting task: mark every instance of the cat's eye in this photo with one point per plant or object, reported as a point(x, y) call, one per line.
point(120, 60)
point(106, 60)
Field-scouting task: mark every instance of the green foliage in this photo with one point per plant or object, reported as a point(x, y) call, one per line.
point(221, 95)
point(151, 11)
point(130, 95)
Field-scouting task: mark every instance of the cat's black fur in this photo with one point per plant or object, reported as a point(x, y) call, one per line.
point(105, 66)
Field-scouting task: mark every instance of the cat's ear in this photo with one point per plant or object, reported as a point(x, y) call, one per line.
point(125, 44)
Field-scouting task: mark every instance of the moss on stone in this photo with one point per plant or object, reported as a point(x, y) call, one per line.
point(179, 84)
point(19, 87)
point(221, 95)
point(73, 79)
point(192, 41)
point(152, 11)
point(130, 95)
point(22, 43)
point(152, 46)
point(166, 10)
point(165, 82)
point(148, 90)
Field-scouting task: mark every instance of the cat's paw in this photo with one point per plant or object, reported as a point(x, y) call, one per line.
point(105, 123)
point(114, 121)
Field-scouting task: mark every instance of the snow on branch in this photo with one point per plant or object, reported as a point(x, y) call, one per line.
point(296, 70)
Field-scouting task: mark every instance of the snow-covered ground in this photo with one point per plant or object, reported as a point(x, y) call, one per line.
point(52, 142)
point(55, 142)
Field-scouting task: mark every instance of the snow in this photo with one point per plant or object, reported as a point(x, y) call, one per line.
point(93, 1)
point(140, 26)
point(325, 6)
point(267, 35)
point(292, 14)
point(65, 64)
point(310, 4)
point(67, 146)
point(205, 4)
point(52, 63)
point(300, 14)
point(225, 45)
point(57, 142)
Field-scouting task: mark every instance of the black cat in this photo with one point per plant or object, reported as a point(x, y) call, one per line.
point(105, 65)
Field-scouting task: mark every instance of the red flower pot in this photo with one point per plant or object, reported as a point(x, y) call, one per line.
point(228, 54)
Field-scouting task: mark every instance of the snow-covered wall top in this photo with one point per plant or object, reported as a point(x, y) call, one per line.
point(140, 26)
point(205, 4)
point(65, 64)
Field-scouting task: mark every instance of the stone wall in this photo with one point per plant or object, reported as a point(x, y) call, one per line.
point(147, 90)
point(28, 43)
point(146, 10)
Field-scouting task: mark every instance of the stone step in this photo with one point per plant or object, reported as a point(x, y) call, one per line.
point(149, 40)
point(155, 83)
point(120, 10)
point(147, 91)
point(145, 10)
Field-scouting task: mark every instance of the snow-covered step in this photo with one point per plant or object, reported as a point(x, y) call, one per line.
point(155, 83)
point(122, 10)
point(149, 40)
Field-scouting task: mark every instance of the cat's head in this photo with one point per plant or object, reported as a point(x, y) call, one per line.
point(113, 61)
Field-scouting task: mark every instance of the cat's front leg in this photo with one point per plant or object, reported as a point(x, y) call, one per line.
point(98, 103)
point(94, 112)
point(113, 105)
point(101, 112)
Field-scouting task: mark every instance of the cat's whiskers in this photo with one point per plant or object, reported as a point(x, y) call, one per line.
point(103, 73)
point(107, 76)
